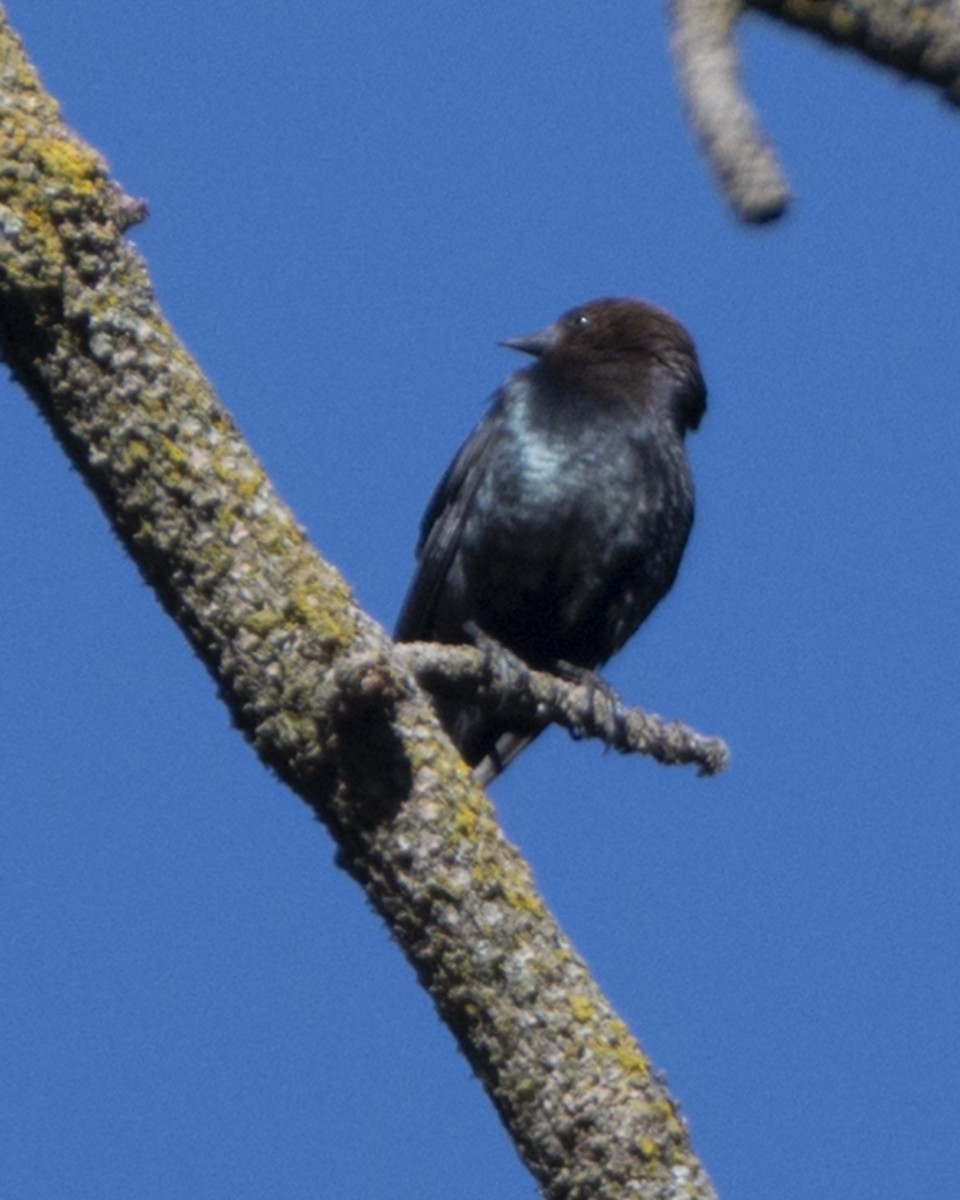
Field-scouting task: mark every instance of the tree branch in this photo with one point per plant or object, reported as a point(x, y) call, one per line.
point(274, 623)
point(920, 38)
point(708, 68)
point(505, 686)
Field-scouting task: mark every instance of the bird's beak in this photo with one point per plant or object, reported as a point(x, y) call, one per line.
point(533, 343)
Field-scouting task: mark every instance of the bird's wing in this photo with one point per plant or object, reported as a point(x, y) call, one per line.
point(442, 527)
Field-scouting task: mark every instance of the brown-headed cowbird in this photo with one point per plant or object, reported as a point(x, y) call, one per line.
point(561, 522)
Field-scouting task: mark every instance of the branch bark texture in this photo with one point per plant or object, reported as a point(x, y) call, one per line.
point(275, 625)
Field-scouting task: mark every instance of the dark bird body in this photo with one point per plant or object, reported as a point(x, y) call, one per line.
point(561, 522)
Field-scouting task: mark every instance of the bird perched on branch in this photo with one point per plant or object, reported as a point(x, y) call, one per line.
point(561, 522)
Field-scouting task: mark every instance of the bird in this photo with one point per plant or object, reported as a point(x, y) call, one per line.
point(561, 521)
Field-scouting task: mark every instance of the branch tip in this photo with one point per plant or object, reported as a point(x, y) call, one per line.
point(708, 68)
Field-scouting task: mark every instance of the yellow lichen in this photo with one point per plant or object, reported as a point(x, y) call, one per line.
point(623, 1048)
point(263, 622)
point(175, 454)
point(583, 1007)
point(524, 899)
point(69, 162)
point(137, 452)
point(465, 821)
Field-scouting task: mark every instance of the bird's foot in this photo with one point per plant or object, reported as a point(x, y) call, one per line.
point(501, 665)
point(597, 689)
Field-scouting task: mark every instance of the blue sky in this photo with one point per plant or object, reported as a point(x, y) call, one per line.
point(350, 206)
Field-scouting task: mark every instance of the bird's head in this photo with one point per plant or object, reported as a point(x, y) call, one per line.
point(625, 339)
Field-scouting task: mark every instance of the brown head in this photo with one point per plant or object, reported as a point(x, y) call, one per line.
point(625, 338)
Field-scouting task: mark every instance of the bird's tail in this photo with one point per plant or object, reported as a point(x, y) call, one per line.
point(505, 750)
point(488, 745)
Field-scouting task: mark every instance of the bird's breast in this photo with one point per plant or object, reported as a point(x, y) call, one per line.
point(561, 463)
point(575, 531)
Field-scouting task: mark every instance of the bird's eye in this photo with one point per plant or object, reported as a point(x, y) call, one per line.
point(584, 319)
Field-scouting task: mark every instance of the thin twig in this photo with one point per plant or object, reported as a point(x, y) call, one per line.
point(509, 688)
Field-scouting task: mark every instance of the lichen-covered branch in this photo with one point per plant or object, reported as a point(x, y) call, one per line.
point(81, 330)
point(921, 38)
